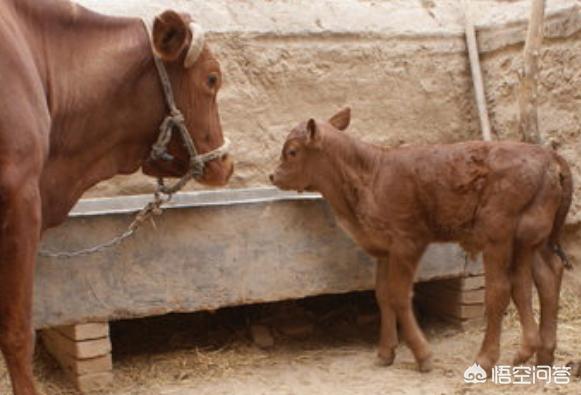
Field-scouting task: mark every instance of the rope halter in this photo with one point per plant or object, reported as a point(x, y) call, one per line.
point(175, 121)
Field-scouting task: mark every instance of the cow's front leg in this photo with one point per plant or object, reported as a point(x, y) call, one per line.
point(20, 221)
point(388, 332)
point(403, 262)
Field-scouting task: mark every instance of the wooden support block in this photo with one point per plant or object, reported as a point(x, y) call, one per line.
point(463, 283)
point(473, 282)
point(84, 352)
point(83, 349)
point(89, 331)
point(458, 300)
point(455, 310)
point(78, 366)
point(449, 295)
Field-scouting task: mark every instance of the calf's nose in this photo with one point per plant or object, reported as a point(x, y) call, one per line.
point(271, 177)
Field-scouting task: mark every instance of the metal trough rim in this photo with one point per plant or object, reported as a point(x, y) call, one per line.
point(206, 198)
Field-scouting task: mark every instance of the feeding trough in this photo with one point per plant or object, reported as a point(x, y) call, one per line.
point(210, 249)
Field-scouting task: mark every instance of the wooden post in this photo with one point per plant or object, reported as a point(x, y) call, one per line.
point(476, 73)
point(528, 91)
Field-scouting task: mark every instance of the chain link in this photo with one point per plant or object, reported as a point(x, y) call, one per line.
point(149, 211)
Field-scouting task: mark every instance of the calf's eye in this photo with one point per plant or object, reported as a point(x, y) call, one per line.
point(212, 80)
point(292, 153)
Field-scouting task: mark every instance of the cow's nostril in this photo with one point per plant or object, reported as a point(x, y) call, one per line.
point(271, 178)
point(225, 157)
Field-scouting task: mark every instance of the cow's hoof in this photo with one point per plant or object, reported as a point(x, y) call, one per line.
point(385, 359)
point(425, 365)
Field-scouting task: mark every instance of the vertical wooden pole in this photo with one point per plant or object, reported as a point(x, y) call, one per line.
point(528, 90)
point(476, 73)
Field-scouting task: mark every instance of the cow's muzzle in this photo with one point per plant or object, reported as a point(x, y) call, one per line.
point(176, 122)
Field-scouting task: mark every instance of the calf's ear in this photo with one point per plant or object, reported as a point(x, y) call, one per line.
point(170, 35)
point(341, 120)
point(313, 132)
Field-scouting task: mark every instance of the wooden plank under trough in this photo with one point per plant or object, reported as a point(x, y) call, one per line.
point(213, 249)
point(459, 300)
point(84, 353)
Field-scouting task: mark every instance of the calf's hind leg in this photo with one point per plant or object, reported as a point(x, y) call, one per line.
point(497, 296)
point(547, 274)
point(388, 333)
point(522, 282)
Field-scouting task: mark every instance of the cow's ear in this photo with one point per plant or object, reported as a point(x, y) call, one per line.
point(313, 132)
point(170, 35)
point(341, 120)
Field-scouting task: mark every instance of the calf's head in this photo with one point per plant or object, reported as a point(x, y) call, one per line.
point(303, 154)
point(196, 79)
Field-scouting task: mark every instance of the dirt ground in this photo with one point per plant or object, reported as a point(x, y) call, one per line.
point(213, 353)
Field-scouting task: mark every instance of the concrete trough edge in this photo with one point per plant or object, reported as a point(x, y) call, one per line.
point(208, 198)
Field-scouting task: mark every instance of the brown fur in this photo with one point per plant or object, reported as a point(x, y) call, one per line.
point(81, 102)
point(505, 199)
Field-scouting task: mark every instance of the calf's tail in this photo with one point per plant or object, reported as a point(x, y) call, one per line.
point(566, 179)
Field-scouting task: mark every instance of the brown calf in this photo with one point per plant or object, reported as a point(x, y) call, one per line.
point(508, 200)
point(81, 101)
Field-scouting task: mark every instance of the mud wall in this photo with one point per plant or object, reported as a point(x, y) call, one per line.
point(400, 65)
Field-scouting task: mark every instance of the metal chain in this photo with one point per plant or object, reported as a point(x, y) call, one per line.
point(150, 210)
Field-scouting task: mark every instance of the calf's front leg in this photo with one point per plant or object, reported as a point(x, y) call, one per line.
point(388, 333)
point(400, 280)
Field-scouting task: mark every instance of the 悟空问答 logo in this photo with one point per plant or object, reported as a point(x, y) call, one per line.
point(475, 374)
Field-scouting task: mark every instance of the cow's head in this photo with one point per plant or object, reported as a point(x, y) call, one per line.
point(196, 79)
point(303, 151)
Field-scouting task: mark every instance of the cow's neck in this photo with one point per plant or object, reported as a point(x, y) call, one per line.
point(105, 101)
point(350, 167)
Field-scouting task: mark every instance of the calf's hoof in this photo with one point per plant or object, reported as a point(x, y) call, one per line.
point(385, 358)
point(545, 356)
point(425, 365)
point(545, 359)
point(522, 357)
point(485, 364)
point(575, 368)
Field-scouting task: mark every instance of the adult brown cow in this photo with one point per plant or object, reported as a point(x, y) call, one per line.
point(81, 101)
point(506, 199)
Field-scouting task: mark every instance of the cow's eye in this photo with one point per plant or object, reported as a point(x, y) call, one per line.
point(212, 80)
point(292, 153)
